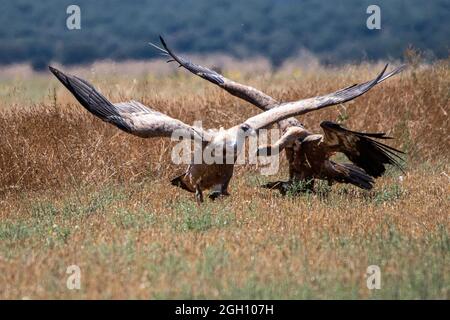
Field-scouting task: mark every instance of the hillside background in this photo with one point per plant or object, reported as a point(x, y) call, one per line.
point(334, 32)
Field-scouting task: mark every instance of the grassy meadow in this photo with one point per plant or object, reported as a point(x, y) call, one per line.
point(77, 191)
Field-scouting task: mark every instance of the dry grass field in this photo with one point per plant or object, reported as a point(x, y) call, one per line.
point(75, 190)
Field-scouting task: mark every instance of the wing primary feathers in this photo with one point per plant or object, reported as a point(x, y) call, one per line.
point(377, 135)
point(357, 90)
point(161, 50)
point(297, 108)
point(88, 97)
point(362, 149)
point(201, 71)
point(247, 93)
point(388, 148)
point(393, 72)
point(93, 101)
point(132, 117)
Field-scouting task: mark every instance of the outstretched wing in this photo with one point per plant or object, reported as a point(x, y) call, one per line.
point(249, 94)
point(132, 117)
point(296, 108)
point(361, 148)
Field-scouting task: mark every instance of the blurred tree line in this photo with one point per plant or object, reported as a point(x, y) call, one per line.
point(335, 31)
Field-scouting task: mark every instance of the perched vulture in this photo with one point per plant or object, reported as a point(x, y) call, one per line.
point(137, 119)
point(309, 154)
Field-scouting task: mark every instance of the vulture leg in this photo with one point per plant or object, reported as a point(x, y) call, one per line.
point(224, 187)
point(220, 190)
point(180, 182)
point(217, 192)
point(198, 194)
point(214, 195)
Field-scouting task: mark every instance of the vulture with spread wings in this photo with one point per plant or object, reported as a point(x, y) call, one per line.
point(137, 119)
point(367, 155)
point(309, 154)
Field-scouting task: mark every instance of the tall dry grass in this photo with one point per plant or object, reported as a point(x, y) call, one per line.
point(55, 143)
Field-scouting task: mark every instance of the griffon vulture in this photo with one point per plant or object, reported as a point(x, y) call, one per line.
point(307, 153)
point(137, 119)
point(368, 155)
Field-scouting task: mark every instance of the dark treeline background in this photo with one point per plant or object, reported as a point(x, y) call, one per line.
point(335, 31)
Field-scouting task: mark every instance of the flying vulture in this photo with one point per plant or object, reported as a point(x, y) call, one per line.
point(137, 119)
point(309, 154)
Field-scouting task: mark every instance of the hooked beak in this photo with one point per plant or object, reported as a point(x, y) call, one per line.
point(252, 132)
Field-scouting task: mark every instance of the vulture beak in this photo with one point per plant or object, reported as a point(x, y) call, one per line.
point(252, 133)
point(248, 130)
